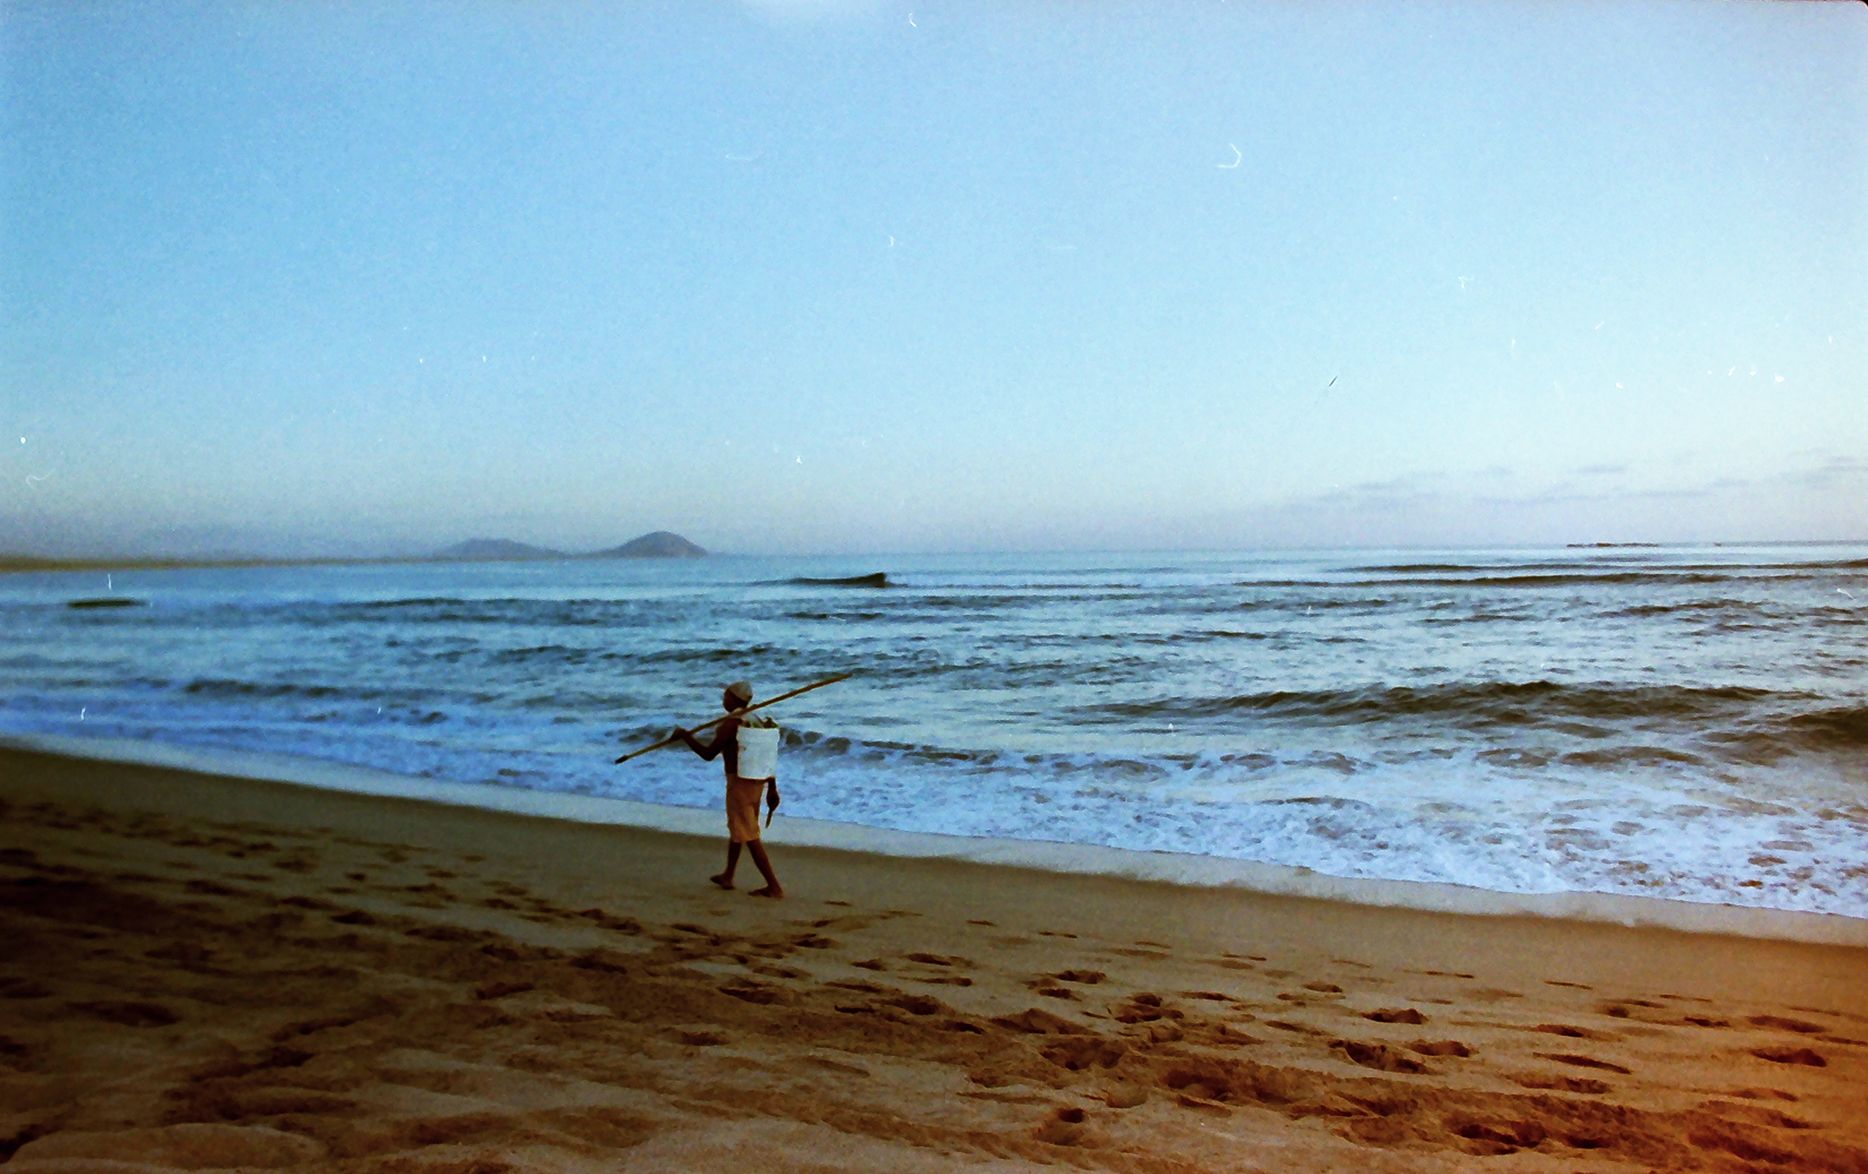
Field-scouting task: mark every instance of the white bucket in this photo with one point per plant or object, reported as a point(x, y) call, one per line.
point(758, 752)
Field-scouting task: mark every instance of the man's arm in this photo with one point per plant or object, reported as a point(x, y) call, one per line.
point(722, 738)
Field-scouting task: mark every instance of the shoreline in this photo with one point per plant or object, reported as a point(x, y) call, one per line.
point(1168, 868)
point(212, 971)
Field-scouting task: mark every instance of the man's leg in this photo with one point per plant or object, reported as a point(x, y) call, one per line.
point(772, 887)
point(725, 879)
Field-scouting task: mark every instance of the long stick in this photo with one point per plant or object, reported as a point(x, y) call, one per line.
point(710, 725)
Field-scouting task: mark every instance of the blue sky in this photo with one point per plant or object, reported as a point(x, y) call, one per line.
point(836, 276)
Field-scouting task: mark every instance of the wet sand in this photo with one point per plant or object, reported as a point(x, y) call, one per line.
point(206, 972)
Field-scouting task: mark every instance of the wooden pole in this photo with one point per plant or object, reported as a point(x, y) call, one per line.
point(723, 717)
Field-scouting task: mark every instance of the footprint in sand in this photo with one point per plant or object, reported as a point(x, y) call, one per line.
point(1803, 1056)
point(1395, 1015)
point(1577, 1061)
point(499, 990)
point(1621, 1008)
point(1084, 977)
point(1443, 1047)
point(1568, 1031)
point(1781, 1023)
point(1077, 1053)
point(1293, 1028)
point(624, 925)
point(756, 993)
point(1033, 1021)
point(1377, 1056)
point(1555, 1083)
point(1145, 1007)
point(918, 1004)
point(1065, 1127)
point(1503, 1137)
point(1763, 1094)
point(1203, 1087)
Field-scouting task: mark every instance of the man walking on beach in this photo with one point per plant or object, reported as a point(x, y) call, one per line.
point(746, 741)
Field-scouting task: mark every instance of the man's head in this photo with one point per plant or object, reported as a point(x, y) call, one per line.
point(738, 695)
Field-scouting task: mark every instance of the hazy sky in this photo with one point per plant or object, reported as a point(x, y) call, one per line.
point(360, 277)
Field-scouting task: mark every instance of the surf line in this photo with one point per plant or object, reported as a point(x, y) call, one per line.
point(738, 712)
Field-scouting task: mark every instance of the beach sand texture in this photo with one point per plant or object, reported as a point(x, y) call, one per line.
point(204, 972)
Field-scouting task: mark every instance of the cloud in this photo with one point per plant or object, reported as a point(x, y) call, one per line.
point(1832, 473)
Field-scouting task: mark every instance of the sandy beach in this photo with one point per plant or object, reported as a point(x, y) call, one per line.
point(207, 972)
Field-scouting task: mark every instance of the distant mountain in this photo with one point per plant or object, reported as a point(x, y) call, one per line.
point(660, 544)
point(495, 550)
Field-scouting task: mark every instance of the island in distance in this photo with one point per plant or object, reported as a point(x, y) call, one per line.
point(658, 544)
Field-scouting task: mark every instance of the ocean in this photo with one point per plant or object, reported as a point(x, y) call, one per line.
point(1680, 722)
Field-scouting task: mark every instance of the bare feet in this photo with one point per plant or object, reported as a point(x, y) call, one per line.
point(722, 879)
point(772, 891)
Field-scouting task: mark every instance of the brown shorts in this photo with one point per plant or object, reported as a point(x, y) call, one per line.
point(742, 808)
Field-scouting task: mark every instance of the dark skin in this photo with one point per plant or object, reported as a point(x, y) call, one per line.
point(726, 743)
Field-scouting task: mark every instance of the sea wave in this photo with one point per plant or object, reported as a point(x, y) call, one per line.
point(1649, 610)
point(873, 579)
point(1835, 729)
point(223, 687)
point(1477, 702)
point(1615, 562)
point(1559, 579)
point(573, 613)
